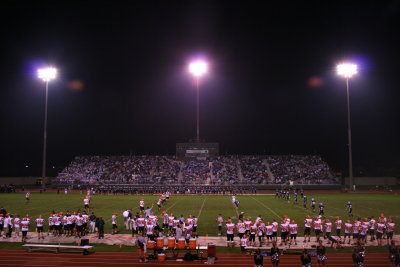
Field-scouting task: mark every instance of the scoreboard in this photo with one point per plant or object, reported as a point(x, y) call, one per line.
point(197, 150)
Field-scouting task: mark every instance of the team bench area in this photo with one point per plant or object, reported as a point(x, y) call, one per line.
point(57, 248)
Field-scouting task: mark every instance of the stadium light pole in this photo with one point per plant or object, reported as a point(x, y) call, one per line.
point(198, 68)
point(348, 70)
point(46, 74)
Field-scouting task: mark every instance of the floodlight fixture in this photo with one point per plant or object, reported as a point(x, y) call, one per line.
point(198, 68)
point(347, 70)
point(47, 74)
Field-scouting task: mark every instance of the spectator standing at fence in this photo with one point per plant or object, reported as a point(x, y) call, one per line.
point(258, 259)
point(275, 254)
point(305, 259)
point(321, 257)
point(142, 248)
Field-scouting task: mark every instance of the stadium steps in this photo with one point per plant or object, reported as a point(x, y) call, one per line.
point(271, 177)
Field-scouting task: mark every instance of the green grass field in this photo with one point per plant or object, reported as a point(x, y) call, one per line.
point(206, 208)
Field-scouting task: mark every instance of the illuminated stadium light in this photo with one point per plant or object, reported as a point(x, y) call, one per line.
point(198, 68)
point(346, 70)
point(47, 74)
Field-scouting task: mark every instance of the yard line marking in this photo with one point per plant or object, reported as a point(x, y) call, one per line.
point(202, 206)
point(271, 210)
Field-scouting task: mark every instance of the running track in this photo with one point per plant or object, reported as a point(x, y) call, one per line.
point(121, 259)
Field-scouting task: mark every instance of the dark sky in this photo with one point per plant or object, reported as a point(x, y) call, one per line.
point(123, 85)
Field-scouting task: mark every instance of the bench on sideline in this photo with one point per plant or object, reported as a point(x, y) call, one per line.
point(57, 248)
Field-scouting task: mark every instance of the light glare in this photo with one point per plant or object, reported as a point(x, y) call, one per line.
point(346, 70)
point(47, 74)
point(198, 68)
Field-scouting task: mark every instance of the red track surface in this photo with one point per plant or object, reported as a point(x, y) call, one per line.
point(121, 259)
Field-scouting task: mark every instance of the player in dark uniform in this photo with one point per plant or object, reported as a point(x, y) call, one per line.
point(313, 203)
point(321, 209)
point(295, 198)
point(350, 209)
point(305, 202)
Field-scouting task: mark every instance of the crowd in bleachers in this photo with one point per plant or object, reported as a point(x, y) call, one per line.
point(253, 169)
point(309, 169)
point(196, 172)
point(222, 170)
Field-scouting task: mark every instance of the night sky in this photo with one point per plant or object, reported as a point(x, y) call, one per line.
point(124, 88)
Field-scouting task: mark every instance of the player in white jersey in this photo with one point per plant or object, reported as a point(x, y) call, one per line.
point(328, 229)
point(114, 223)
point(17, 225)
point(268, 229)
point(230, 228)
point(318, 228)
point(347, 231)
point(39, 226)
point(86, 203)
point(293, 232)
point(28, 196)
point(194, 224)
point(307, 228)
point(253, 231)
point(170, 223)
point(390, 230)
point(165, 220)
point(159, 202)
point(247, 223)
point(150, 230)
point(24, 228)
point(8, 223)
point(339, 224)
point(241, 228)
point(141, 224)
point(371, 230)
point(219, 221)
point(188, 229)
point(274, 230)
point(244, 242)
point(380, 229)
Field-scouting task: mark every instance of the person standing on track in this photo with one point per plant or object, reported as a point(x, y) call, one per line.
point(275, 254)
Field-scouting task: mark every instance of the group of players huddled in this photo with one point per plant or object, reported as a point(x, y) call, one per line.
point(146, 222)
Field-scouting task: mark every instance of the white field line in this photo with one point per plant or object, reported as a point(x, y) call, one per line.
point(271, 210)
point(202, 206)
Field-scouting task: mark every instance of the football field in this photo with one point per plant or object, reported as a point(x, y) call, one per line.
point(206, 207)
